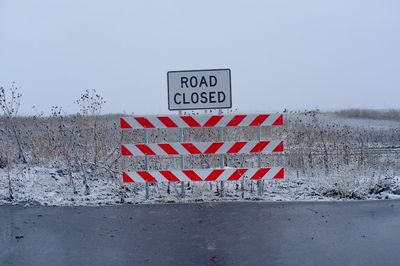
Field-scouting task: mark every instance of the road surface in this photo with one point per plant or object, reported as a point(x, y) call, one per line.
point(236, 233)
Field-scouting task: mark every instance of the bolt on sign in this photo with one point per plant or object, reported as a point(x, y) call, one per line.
point(199, 89)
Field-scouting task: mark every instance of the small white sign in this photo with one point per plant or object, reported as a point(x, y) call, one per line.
point(199, 89)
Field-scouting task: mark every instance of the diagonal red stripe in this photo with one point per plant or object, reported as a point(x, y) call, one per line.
point(123, 124)
point(259, 147)
point(213, 121)
point(279, 148)
point(278, 121)
point(258, 120)
point(167, 121)
point(214, 175)
point(236, 120)
point(147, 176)
point(192, 149)
point(190, 121)
point(192, 175)
point(280, 174)
point(237, 174)
point(145, 149)
point(125, 151)
point(144, 122)
point(168, 148)
point(170, 176)
point(237, 147)
point(213, 148)
point(260, 173)
point(126, 178)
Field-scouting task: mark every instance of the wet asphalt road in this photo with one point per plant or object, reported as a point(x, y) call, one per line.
point(336, 233)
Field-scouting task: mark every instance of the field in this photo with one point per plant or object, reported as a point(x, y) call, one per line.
point(75, 159)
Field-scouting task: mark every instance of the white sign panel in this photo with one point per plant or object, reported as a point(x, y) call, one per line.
point(199, 89)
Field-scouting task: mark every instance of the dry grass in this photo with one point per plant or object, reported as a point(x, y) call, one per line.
point(86, 146)
point(370, 114)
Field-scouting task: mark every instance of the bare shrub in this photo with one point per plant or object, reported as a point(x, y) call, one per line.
point(6, 161)
point(10, 107)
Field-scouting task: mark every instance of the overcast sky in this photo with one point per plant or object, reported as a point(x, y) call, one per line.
point(282, 54)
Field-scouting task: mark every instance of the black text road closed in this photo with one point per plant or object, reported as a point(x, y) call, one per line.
point(199, 89)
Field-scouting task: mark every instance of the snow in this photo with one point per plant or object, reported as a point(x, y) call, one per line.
point(379, 178)
point(45, 186)
point(359, 122)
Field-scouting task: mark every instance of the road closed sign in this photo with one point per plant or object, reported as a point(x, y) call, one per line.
point(199, 89)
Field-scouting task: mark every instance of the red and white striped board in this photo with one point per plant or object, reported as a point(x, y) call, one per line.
point(206, 121)
point(200, 148)
point(227, 174)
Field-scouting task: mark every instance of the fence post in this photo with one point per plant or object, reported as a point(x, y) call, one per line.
point(146, 160)
point(259, 182)
point(182, 158)
point(122, 189)
point(221, 159)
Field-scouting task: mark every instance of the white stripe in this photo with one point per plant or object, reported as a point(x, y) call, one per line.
point(158, 176)
point(134, 150)
point(271, 146)
point(203, 173)
point(271, 173)
point(178, 121)
point(135, 177)
point(271, 119)
point(156, 122)
point(157, 149)
point(249, 173)
point(179, 148)
point(225, 147)
point(202, 146)
point(181, 176)
point(132, 122)
point(226, 174)
point(247, 120)
point(224, 120)
point(202, 120)
point(248, 147)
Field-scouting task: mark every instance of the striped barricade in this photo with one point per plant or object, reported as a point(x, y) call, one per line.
point(186, 121)
point(227, 174)
point(203, 148)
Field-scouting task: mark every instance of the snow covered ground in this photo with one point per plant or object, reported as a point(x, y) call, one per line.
point(46, 186)
point(376, 177)
point(359, 122)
